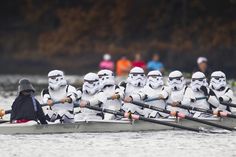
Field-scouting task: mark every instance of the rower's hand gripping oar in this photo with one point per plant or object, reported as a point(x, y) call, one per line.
point(138, 117)
point(181, 115)
point(113, 97)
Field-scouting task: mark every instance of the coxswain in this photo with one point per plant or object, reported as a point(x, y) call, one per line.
point(26, 107)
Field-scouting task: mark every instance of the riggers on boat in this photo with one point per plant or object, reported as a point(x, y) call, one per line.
point(101, 126)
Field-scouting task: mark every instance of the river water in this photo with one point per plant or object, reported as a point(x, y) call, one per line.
point(156, 144)
point(139, 144)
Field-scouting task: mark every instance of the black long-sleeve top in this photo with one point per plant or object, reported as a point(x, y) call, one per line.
point(23, 108)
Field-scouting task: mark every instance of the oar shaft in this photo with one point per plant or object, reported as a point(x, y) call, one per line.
point(152, 99)
point(209, 123)
point(4, 121)
point(181, 115)
point(157, 98)
point(137, 117)
point(228, 104)
point(42, 105)
point(168, 124)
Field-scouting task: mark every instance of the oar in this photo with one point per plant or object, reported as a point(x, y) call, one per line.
point(218, 113)
point(9, 111)
point(42, 105)
point(153, 99)
point(4, 121)
point(228, 104)
point(181, 115)
point(137, 117)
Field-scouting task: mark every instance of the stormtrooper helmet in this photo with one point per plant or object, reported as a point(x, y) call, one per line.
point(155, 79)
point(198, 80)
point(106, 78)
point(137, 77)
point(56, 79)
point(91, 83)
point(176, 80)
point(218, 80)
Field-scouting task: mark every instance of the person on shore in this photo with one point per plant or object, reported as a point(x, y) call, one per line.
point(202, 66)
point(106, 63)
point(59, 91)
point(155, 63)
point(26, 108)
point(138, 62)
point(123, 66)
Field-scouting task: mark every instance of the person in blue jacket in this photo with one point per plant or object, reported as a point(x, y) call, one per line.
point(155, 63)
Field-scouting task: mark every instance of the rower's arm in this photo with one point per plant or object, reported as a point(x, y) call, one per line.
point(119, 91)
point(165, 93)
point(227, 97)
point(213, 100)
point(45, 96)
point(98, 99)
point(188, 97)
point(138, 96)
point(72, 93)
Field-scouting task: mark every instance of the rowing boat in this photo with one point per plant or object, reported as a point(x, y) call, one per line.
point(100, 126)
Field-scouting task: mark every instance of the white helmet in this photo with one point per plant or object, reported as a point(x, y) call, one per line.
point(56, 79)
point(137, 77)
point(91, 83)
point(155, 79)
point(106, 78)
point(198, 80)
point(176, 80)
point(218, 80)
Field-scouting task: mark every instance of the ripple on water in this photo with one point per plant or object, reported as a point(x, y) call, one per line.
point(163, 143)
